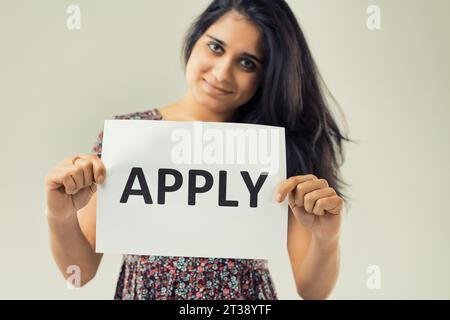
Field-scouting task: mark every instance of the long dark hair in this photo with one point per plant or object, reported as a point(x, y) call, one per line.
point(289, 94)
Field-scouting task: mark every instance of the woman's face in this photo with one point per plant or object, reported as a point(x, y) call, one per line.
point(225, 66)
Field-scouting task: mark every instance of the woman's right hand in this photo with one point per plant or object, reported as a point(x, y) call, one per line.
point(71, 184)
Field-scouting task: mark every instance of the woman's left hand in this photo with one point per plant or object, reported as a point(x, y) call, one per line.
point(314, 204)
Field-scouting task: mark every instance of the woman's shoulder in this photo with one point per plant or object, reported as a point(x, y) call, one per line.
point(151, 114)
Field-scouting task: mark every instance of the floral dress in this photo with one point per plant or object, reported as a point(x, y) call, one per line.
point(145, 277)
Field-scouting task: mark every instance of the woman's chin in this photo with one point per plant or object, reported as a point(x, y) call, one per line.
point(213, 105)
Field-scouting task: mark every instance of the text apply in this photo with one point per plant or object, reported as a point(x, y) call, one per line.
point(153, 205)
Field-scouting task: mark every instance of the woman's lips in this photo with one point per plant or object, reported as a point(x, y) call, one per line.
point(214, 90)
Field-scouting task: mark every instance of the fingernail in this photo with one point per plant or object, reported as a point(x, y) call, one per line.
point(101, 178)
point(279, 197)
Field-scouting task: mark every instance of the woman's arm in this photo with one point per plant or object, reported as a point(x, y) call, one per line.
point(313, 233)
point(72, 238)
point(315, 263)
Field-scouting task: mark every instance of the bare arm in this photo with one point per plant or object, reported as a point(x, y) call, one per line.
point(71, 209)
point(319, 270)
point(72, 241)
point(314, 219)
point(315, 264)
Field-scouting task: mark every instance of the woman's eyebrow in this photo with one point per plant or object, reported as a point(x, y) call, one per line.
point(245, 53)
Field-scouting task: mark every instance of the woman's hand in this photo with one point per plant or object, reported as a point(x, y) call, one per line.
point(314, 204)
point(71, 184)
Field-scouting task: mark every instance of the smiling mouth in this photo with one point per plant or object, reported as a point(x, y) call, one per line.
point(215, 89)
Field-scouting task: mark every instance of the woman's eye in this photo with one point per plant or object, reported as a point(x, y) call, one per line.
point(215, 47)
point(248, 64)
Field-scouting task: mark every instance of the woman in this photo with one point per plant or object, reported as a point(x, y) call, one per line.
point(246, 61)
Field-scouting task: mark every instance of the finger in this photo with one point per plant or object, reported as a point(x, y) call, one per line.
point(311, 197)
point(291, 200)
point(331, 204)
point(76, 174)
point(93, 187)
point(58, 178)
point(68, 161)
point(306, 187)
point(70, 186)
point(289, 184)
point(99, 169)
point(66, 179)
point(86, 167)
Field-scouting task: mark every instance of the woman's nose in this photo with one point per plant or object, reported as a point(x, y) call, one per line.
point(222, 70)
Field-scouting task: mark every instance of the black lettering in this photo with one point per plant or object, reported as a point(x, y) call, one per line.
point(144, 191)
point(223, 202)
point(254, 189)
point(193, 189)
point(162, 188)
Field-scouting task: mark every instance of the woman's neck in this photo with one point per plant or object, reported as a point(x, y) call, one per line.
point(187, 109)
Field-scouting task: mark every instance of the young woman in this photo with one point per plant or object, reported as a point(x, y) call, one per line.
point(246, 61)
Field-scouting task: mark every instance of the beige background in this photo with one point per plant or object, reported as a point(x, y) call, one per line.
point(57, 86)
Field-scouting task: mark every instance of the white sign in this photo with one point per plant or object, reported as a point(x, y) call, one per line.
point(192, 189)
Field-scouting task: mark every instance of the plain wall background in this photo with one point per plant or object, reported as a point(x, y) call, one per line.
point(57, 86)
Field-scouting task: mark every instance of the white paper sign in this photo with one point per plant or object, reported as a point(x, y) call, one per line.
point(192, 189)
